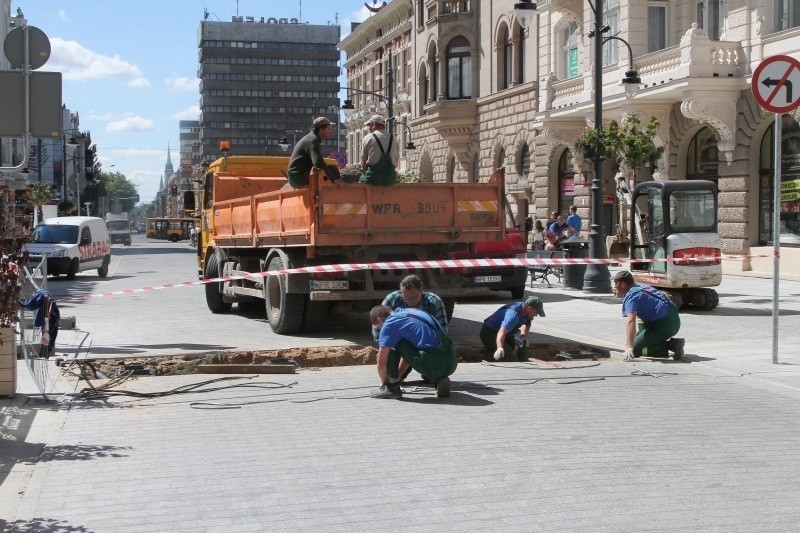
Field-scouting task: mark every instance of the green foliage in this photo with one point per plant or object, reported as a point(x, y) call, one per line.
point(631, 145)
point(118, 186)
point(409, 176)
point(39, 194)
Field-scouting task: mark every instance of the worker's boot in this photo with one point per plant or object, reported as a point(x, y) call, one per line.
point(388, 391)
point(443, 387)
point(675, 345)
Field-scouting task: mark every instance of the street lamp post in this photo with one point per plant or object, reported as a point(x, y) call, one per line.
point(597, 277)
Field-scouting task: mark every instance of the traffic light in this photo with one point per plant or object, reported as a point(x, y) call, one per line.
point(173, 189)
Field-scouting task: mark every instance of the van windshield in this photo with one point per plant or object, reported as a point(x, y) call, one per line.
point(55, 234)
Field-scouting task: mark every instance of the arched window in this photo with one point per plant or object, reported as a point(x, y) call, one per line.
point(569, 51)
point(702, 161)
point(524, 161)
point(459, 69)
point(566, 182)
point(790, 185)
point(422, 88)
point(504, 59)
point(451, 169)
point(501, 158)
point(521, 53)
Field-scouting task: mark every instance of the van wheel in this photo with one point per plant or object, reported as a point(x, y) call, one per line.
point(103, 270)
point(284, 311)
point(73, 269)
point(214, 299)
point(174, 238)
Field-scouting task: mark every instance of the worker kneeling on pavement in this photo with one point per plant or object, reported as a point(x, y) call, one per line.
point(414, 337)
point(658, 316)
point(507, 323)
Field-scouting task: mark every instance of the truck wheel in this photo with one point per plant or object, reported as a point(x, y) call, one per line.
point(518, 292)
point(315, 315)
point(103, 270)
point(712, 299)
point(73, 268)
point(449, 306)
point(214, 299)
point(284, 311)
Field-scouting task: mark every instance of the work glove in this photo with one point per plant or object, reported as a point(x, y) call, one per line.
point(628, 354)
point(499, 354)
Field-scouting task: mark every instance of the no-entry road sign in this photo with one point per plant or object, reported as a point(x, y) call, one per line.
point(776, 84)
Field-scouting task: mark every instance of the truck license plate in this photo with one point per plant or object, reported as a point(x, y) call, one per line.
point(329, 285)
point(487, 279)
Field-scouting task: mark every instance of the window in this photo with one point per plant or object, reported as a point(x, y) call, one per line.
point(569, 58)
point(459, 69)
point(702, 161)
point(566, 182)
point(709, 17)
point(507, 62)
point(611, 48)
point(787, 14)
point(790, 185)
point(501, 158)
point(524, 163)
point(521, 54)
point(656, 26)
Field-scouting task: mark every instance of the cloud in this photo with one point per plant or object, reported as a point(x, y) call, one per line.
point(77, 62)
point(359, 16)
point(131, 123)
point(182, 84)
point(190, 113)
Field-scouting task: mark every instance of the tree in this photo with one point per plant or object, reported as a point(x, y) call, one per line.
point(117, 186)
point(37, 195)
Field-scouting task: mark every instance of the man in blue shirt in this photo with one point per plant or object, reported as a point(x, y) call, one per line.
point(415, 337)
point(574, 222)
point(658, 316)
point(498, 331)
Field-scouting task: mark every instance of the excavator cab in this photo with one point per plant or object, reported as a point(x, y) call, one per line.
point(674, 241)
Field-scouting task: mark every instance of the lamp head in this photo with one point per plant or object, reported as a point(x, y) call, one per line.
point(284, 143)
point(410, 147)
point(631, 82)
point(348, 108)
point(525, 10)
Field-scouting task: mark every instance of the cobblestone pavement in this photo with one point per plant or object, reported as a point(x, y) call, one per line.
point(705, 444)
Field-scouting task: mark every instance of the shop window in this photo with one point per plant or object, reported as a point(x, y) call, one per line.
point(790, 185)
point(702, 161)
point(566, 182)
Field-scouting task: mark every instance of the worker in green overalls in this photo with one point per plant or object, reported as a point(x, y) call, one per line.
point(379, 154)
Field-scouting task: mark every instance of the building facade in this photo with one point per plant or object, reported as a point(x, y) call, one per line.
point(486, 89)
point(264, 80)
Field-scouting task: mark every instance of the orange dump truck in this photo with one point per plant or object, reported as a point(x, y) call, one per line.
point(250, 224)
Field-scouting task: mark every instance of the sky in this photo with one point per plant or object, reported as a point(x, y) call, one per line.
point(129, 68)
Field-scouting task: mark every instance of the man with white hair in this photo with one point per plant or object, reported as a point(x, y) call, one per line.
point(379, 154)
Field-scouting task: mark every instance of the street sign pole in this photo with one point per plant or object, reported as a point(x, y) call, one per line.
point(776, 233)
point(776, 87)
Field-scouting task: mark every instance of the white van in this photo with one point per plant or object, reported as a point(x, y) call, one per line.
point(71, 245)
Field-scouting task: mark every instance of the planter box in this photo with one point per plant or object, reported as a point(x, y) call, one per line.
point(8, 362)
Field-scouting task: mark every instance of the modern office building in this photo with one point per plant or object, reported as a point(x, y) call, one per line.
point(483, 88)
point(265, 80)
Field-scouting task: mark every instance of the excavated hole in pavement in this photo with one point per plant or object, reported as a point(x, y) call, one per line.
point(318, 357)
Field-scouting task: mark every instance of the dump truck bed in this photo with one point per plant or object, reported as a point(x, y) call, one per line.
point(327, 214)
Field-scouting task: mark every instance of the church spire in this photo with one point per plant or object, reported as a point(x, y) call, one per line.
point(168, 170)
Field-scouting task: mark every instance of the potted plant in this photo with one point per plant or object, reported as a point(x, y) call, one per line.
point(631, 145)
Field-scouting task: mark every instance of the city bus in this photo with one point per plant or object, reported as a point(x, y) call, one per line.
point(169, 229)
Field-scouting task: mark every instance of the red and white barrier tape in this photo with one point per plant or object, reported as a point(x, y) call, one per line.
point(419, 265)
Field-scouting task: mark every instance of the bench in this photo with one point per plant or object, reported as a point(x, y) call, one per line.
point(542, 272)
